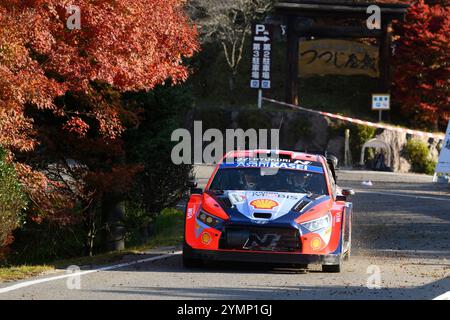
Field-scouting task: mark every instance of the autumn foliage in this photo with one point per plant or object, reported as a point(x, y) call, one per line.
point(123, 45)
point(422, 61)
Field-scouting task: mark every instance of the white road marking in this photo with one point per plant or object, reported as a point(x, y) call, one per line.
point(402, 195)
point(445, 296)
point(116, 266)
point(413, 251)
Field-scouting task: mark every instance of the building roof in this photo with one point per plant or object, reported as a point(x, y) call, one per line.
point(352, 2)
point(395, 8)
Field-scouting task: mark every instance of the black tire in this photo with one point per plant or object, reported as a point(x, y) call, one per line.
point(331, 268)
point(191, 263)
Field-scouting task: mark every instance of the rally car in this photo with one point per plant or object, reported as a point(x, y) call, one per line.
point(264, 206)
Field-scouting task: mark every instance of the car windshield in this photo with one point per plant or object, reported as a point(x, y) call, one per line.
point(256, 179)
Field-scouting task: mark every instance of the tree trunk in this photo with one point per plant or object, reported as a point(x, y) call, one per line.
point(232, 87)
point(114, 213)
point(89, 224)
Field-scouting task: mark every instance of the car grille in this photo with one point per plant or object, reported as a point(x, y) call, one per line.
point(260, 239)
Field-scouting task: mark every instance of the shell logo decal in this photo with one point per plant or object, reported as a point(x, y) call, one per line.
point(264, 204)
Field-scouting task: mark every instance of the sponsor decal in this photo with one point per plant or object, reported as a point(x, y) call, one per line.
point(273, 195)
point(316, 243)
point(266, 241)
point(260, 221)
point(236, 198)
point(275, 165)
point(190, 213)
point(206, 238)
point(304, 162)
point(264, 204)
point(279, 160)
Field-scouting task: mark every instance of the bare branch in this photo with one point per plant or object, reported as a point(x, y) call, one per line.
point(228, 22)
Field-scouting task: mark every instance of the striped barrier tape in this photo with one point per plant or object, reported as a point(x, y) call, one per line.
point(439, 136)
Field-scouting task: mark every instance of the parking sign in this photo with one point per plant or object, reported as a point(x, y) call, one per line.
point(261, 57)
point(381, 101)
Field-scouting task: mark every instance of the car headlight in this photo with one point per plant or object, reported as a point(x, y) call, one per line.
point(318, 224)
point(208, 219)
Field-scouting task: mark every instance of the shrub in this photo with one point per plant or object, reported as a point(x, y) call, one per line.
point(136, 222)
point(168, 221)
point(39, 243)
point(12, 203)
point(167, 228)
point(419, 156)
point(359, 134)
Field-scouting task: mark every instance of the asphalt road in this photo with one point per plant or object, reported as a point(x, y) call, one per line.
point(401, 229)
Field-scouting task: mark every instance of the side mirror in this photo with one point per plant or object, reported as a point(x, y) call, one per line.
point(348, 192)
point(344, 194)
point(332, 164)
point(191, 184)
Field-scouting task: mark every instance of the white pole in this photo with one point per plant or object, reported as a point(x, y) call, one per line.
point(347, 154)
point(380, 116)
point(435, 177)
point(259, 99)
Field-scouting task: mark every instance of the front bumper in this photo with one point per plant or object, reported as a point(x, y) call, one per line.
point(260, 257)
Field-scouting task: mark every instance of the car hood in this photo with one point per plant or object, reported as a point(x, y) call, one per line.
point(257, 204)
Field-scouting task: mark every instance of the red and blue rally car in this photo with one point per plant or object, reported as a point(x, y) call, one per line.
point(279, 207)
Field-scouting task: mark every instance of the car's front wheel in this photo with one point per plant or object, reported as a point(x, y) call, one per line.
point(331, 268)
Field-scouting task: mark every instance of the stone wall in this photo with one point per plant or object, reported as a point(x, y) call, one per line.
point(397, 141)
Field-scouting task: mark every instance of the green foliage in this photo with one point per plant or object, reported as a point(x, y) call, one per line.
point(359, 135)
point(348, 95)
point(12, 202)
point(162, 183)
point(136, 220)
point(15, 273)
point(37, 243)
point(294, 130)
point(168, 228)
point(213, 118)
point(252, 119)
point(300, 127)
point(419, 156)
point(168, 221)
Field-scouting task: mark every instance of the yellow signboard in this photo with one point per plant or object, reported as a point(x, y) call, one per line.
point(338, 57)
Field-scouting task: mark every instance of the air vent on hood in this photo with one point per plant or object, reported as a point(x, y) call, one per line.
point(301, 205)
point(262, 215)
point(225, 202)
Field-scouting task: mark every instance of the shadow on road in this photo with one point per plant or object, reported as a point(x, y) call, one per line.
point(428, 291)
